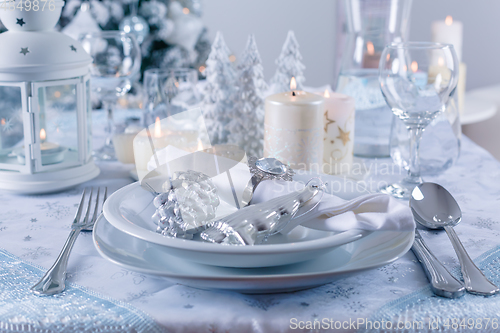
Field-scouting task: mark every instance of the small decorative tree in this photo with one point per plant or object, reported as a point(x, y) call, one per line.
point(247, 126)
point(289, 65)
point(220, 90)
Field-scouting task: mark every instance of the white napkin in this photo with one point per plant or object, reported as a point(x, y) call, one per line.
point(371, 212)
point(368, 212)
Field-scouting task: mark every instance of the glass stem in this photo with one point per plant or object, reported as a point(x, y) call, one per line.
point(414, 167)
point(110, 125)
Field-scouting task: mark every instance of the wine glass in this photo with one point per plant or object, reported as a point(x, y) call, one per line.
point(116, 63)
point(169, 91)
point(417, 79)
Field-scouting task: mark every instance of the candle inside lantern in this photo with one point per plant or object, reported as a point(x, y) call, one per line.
point(338, 132)
point(47, 147)
point(293, 126)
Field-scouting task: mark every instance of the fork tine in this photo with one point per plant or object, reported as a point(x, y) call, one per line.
point(80, 206)
point(94, 217)
point(105, 194)
point(88, 206)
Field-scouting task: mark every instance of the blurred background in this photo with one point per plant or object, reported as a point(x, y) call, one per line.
point(319, 27)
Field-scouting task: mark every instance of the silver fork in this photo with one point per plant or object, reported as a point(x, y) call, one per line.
point(53, 282)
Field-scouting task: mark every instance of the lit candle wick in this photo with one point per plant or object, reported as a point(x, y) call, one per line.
point(157, 132)
point(293, 85)
point(43, 135)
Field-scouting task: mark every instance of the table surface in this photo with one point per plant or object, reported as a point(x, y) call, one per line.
point(101, 295)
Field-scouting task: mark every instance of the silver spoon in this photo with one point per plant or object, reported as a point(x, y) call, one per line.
point(435, 208)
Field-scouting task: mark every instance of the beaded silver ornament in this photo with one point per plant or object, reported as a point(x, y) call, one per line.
point(188, 202)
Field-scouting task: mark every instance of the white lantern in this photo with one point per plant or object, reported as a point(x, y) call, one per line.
point(45, 110)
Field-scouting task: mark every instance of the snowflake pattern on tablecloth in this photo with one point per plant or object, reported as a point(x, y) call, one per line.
point(139, 296)
point(35, 253)
point(137, 278)
point(55, 210)
point(262, 302)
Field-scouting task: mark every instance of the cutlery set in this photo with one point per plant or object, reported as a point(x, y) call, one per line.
point(435, 208)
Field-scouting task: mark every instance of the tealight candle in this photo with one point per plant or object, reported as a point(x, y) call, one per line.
point(51, 152)
point(338, 132)
point(293, 126)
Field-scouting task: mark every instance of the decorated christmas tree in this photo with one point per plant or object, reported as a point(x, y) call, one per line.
point(247, 127)
point(218, 108)
point(289, 65)
point(171, 32)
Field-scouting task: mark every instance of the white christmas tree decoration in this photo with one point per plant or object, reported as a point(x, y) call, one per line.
point(247, 127)
point(289, 65)
point(220, 91)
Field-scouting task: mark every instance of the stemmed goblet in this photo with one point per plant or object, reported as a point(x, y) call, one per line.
point(417, 79)
point(116, 63)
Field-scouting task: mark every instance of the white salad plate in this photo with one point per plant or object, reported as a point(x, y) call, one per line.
point(375, 250)
point(130, 209)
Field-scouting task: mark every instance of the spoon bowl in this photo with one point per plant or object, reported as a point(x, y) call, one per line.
point(435, 208)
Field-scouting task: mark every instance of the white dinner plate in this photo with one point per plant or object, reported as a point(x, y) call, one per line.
point(130, 209)
point(376, 249)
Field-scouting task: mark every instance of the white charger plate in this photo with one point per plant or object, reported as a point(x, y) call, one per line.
point(375, 250)
point(130, 209)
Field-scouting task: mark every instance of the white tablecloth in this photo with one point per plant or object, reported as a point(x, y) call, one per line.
point(33, 229)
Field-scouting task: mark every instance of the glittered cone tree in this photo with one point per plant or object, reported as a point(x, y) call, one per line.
point(247, 127)
point(218, 109)
point(289, 65)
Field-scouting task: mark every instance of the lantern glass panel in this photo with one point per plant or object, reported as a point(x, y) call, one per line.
point(89, 120)
point(58, 124)
point(11, 125)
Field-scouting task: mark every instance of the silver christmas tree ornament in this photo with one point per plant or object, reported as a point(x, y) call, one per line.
point(246, 129)
point(188, 202)
point(289, 65)
point(219, 92)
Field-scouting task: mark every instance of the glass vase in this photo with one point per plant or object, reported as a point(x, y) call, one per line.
point(372, 24)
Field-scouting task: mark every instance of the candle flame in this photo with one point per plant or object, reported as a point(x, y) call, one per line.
point(370, 48)
point(185, 10)
point(200, 145)
point(414, 66)
point(43, 135)
point(327, 94)
point(157, 132)
point(3, 121)
point(388, 57)
point(440, 61)
point(293, 83)
point(448, 20)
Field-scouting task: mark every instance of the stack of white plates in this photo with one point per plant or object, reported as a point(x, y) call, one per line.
point(302, 259)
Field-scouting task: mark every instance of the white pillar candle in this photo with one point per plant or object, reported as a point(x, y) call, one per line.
point(449, 32)
point(293, 125)
point(338, 132)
